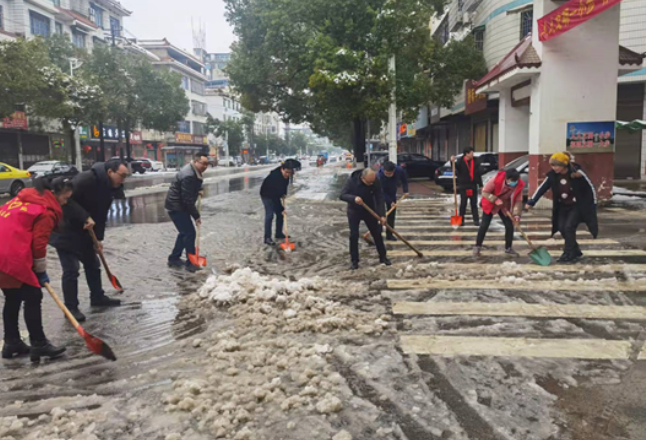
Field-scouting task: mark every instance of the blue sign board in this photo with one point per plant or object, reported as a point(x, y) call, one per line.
point(591, 137)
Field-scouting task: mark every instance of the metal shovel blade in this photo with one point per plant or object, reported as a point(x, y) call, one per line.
point(287, 245)
point(541, 256)
point(196, 259)
point(456, 221)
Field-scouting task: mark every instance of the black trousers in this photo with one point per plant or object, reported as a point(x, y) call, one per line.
point(273, 208)
point(71, 262)
point(32, 297)
point(354, 219)
point(486, 222)
point(569, 219)
point(390, 218)
point(474, 204)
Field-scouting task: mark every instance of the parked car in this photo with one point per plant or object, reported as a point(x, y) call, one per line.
point(313, 161)
point(486, 162)
point(52, 169)
point(376, 159)
point(213, 161)
point(13, 180)
point(333, 159)
point(521, 164)
point(416, 165)
point(227, 161)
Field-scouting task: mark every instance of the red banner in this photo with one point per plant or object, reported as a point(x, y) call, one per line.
point(570, 15)
point(16, 120)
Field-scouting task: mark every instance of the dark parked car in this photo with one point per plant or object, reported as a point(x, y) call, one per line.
point(137, 165)
point(52, 169)
point(486, 162)
point(416, 165)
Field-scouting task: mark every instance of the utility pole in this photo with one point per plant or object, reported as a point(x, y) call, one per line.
point(392, 118)
point(75, 64)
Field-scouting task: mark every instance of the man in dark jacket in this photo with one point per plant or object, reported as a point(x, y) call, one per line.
point(468, 180)
point(363, 187)
point(180, 204)
point(574, 202)
point(272, 193)
point(390, 176)
point(88, 208)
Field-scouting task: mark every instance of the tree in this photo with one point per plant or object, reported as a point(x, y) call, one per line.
point(232, 131)
point(326, 61)
point(299, 142)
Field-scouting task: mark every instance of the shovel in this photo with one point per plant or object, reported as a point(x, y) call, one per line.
point(366, 236)
point(395, 233)
point(538, 255)
point(196, 259)
point(456, 220)
point(94, 344)
point(286, 245)
point(113, 279)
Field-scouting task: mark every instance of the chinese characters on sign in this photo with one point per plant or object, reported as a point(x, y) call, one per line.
point(474, 102)
point(187, 138)
point(570, 15)
point(591, 137)
point(111, 133)
point(16, 120)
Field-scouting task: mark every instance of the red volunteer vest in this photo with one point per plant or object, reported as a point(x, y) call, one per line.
point(16, 235)
point(499, 182)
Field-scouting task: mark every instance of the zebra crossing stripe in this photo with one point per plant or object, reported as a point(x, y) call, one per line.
point(501, 242)
point(515, 267)
point(582, 311)
point(432, 219)
point(419, 231)
point(515, 347)
point(530, 286)
point(596, 253)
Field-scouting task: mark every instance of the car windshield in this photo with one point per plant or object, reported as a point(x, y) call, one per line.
point(517, 163)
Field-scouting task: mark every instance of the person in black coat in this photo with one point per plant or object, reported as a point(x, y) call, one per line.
point(180, 204)
point(468, 178)
point(574, 202)
point(88, 208)
point(363, 187)
point(390, 175)
point(272, 193)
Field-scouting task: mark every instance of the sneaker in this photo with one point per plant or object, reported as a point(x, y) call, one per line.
point(44, 348)
point(15, 348)
point(385, 262)
point(105, 301)
point(192, 268)
point(354, 265)
point(176, 263)
point(391, 238)
point(76, 313)
point(578, 253)
point(511, 252)
point(477, 250)
point(270, 242)
point(566, 258)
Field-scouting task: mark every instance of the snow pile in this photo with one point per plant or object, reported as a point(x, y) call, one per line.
point(58, 424)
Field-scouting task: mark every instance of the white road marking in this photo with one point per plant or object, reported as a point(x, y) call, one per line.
point(515, 347)
point(531, 286)
point(466, 253)
point(499, 242)
point(583, 311)
point(516, 267)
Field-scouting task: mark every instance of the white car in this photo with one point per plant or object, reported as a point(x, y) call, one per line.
point(156, 165)
point(313, 160)
point(226, 161)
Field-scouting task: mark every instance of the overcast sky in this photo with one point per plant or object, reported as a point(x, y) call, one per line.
point(172, 19)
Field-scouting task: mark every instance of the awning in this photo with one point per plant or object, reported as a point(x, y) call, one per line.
point(522, 56)
point(628, 57)
point(631, 126)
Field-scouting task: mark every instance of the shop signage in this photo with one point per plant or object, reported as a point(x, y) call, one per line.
point(84, 132)
point(435, 114)
point(591, 137)
point(474, 102)
point(570, 15)
point(112, 133)
point(187, 138)
point(136, 138)
point(17, 120)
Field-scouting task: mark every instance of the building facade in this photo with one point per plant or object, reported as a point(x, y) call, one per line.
point(505, 31)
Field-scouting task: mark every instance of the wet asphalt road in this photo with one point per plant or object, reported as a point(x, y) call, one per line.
point(149, 330)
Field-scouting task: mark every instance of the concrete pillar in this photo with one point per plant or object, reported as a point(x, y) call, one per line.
point(513, 129)
point(578, 83)
point(643, 161)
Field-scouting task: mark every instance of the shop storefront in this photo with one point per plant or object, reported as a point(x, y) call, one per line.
point(186, 146)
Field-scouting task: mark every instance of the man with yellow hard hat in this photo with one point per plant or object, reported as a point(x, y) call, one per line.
point(574, 202)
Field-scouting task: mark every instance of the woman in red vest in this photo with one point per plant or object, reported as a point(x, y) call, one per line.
point(25, 225)
point(502, 194)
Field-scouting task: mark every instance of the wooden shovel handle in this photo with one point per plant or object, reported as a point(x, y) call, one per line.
point(60, 304)
point(96, 243)
point(395, 233)
point(517, 226)
point(390, 211)
point(455, 188)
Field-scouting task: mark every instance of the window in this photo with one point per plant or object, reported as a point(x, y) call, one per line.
point(226, 103)
point(39, 24)
point(199, 108)
point(115, 27)
point(57, 3)
point(526, 23)
point(185, 82)
point(59, 28)
point(199, 128)
point(78, 39)
point(1, 25)
point(443, 31)
point(4, 169)
point(198, 88)
point(96, 15)
point(478, 37)
point(184, 127)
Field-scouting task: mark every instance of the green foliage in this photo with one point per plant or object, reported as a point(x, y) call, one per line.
point(232, 131)
point(326, 61)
